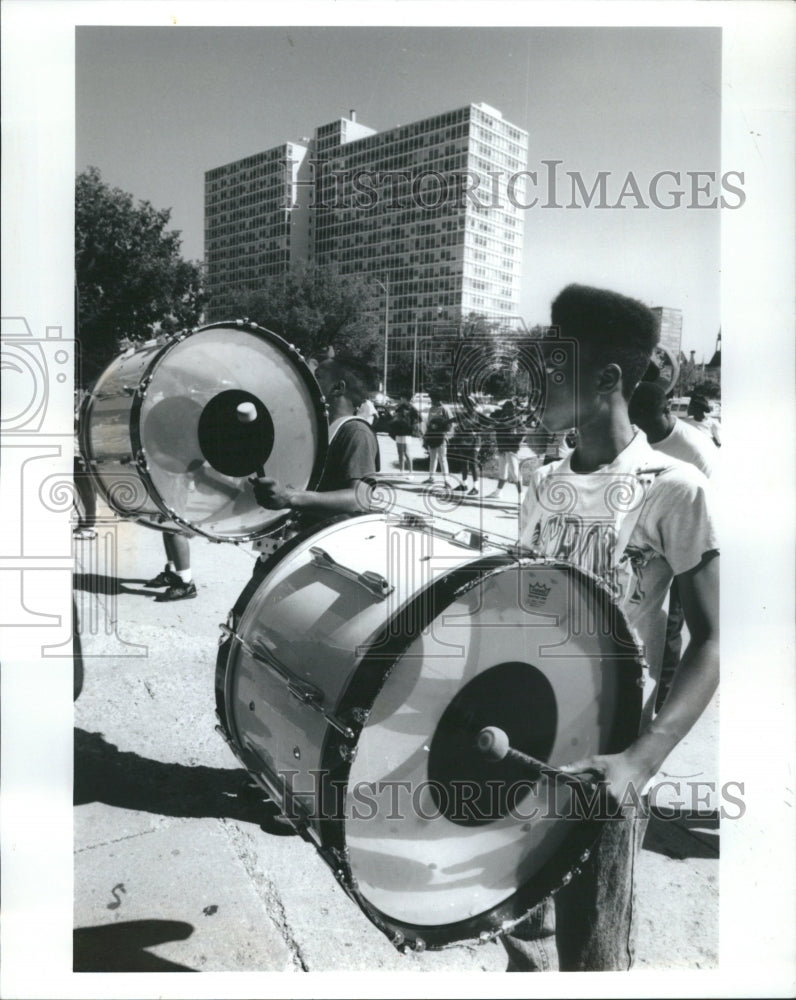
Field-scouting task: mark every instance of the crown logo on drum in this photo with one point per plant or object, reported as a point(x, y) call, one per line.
point(538, 593)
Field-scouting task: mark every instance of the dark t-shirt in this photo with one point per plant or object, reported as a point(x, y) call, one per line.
point(353, 454)
point(404, 420)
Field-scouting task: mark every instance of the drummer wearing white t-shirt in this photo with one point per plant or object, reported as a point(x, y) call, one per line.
point(635, 518)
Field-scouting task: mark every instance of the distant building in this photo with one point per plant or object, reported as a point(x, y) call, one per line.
point(670, 322)
point(430, 210)
point(249, 233)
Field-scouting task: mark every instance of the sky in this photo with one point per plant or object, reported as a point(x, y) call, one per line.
point(157, 107)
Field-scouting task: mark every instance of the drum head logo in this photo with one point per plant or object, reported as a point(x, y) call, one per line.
point(537, 594)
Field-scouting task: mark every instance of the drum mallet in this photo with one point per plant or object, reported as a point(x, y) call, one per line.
point(247, 414)
point(494, 745)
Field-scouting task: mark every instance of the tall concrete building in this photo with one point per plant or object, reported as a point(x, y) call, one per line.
point(670, 322)
point(430, 211)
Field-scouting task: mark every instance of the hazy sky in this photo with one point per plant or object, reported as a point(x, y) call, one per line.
point(157, 107)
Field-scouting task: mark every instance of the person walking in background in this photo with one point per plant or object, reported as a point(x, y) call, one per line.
point(438, 429)
point(405, 425)
point(509, 436)
point(465, 453)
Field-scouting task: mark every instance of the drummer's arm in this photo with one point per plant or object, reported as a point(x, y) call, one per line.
point(273, 495)
point(694, 685)
point(697, 675)
point(353, 500)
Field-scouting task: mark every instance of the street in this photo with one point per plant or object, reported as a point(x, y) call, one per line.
point(179, 863)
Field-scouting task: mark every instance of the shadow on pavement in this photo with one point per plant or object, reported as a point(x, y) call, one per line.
point(683, 833)
point(109, 586)
point(121, 947)
point(103, 773)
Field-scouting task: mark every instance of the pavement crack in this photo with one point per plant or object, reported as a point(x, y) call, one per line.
point(267, 891)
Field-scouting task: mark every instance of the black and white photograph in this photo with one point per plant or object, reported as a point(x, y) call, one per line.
point(397, 436)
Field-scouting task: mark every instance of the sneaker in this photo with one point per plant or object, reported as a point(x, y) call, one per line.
point(473, 492)
point(84, 534)
point(461, 486)
point(493, 495)
point(165, 578)
point(178, 592)
point(427, 481)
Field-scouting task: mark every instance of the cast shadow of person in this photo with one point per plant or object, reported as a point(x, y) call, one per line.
point(122, 947)
point(120, 778)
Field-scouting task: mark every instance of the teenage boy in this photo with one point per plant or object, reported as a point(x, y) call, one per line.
point(654, 517)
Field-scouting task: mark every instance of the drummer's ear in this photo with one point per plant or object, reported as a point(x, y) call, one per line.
point(338, 389)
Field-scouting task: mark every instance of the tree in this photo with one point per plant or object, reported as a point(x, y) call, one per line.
point(129, 273)
point(313, 307)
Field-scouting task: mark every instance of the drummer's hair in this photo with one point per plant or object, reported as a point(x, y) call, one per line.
point(358, 377)
point(616, 329)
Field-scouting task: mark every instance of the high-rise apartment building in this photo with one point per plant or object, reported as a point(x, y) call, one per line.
point(432, 211)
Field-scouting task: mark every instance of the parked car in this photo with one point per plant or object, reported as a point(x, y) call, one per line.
point(383, 418)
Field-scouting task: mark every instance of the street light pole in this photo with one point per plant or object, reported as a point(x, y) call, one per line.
point(386, 327)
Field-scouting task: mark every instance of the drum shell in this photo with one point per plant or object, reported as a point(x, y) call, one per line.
point(141, 431)
point(294, 739)
point(353, 651)
point(106, 440)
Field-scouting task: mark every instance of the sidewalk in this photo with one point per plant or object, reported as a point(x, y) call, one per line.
point(177, 867)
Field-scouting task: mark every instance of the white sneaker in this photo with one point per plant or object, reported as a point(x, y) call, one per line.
point(492, 495)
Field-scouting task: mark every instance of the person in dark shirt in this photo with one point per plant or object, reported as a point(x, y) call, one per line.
point(353, 450)
point(405, 423)
point(509, 436)
point(464, 454)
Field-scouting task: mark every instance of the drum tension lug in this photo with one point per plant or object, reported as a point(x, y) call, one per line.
point(372, 582)
point(347, 753)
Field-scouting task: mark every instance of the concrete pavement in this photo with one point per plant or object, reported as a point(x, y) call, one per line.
point(178, 865)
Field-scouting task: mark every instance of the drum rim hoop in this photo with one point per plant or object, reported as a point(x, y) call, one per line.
point(309, 380)
point(336, 769)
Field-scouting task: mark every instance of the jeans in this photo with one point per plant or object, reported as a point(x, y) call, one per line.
point(590, 924)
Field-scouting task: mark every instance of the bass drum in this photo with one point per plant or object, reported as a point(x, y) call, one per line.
point(164, 440)
point(355, 684)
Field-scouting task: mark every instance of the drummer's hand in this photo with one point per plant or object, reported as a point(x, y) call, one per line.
point(617, 775)
point(270, 493)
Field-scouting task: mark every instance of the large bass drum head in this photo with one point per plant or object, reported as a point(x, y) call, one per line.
point(198, 454)
point(443, 843)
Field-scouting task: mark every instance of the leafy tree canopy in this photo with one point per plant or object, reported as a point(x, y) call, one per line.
point(316, 307)
point(129, 273)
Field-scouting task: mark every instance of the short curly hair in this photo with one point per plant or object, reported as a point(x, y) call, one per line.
point(358, 377)
point(615, 329)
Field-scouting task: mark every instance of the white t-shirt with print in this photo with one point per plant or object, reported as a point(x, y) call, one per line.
point(668, 509)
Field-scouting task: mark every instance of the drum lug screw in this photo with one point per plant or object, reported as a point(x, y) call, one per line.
point(360, 715)
point(484, 937)
point(419, 945)
point(347, 753)
point(398, 939)
point(297, 753)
